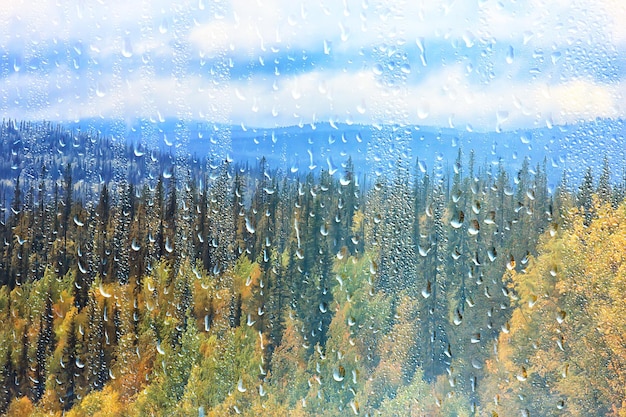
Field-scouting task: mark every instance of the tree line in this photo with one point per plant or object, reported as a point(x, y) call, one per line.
point(244, 291)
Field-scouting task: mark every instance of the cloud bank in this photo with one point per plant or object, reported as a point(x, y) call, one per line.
point(483, 65)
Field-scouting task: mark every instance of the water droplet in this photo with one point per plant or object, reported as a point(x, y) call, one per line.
point(164, 26)
point(492, 254)
point(296, 93)
point(525, 138)
point(240, 386)
point(457, 221)
point(510, 265)
point(99, 92)
point(527, 36)
point(168, 245)
point(327, 46)
point(354, 405)
point(474, 228)
point(373, 267)
point(249, 226)
point(427, 291)
point(103, 291)
point(553, 229)
point(339, 373)
point(501, 116)
point(458, 318)
point(510, 55)
point(470, 301)
point(506, 328)
point(127, 48)
point(423, 110)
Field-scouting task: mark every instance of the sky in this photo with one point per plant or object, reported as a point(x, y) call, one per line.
point(471, 64)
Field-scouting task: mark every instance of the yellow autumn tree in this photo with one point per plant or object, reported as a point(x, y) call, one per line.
point(565, 352)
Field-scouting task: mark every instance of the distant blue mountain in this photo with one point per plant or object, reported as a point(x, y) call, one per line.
point(328, 146)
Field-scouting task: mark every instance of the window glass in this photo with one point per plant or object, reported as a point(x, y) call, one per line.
point(312, 207)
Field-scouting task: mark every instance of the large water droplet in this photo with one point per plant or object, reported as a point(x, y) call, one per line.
point(510, 55)
point(240, 386)
point(457, 221)
point(249, 226)
point(339, 373)
point(474, 228)
point(127, 48)
point(423, 110)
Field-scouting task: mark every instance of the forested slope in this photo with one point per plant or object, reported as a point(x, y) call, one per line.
point(247, 292)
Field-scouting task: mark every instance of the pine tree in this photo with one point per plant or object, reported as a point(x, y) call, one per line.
point(604, 183)
point(23, 365)
point(68, 191)
point(46, 344)
point(97, 367)
point(585, 197)
point(69, 373)
point(8, 377)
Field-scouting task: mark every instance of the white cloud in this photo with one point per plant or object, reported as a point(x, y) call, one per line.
point(253, 27)
point(444, 97)
point(250, 28)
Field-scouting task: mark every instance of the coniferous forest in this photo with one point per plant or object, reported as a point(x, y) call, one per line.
point(218, 288)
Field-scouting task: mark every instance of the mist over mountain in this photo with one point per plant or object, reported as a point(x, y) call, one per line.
point(102, 150)
point(327, 145)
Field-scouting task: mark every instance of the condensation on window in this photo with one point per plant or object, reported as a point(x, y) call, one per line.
point(312, 208)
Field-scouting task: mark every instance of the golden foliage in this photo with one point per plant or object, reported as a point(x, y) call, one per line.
point(105, 403)
point(567, 342)
point(20, 407)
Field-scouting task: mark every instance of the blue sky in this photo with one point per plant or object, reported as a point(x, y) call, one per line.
point(479, 64)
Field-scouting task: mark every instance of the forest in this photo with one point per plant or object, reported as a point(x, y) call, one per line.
point(243, 290)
